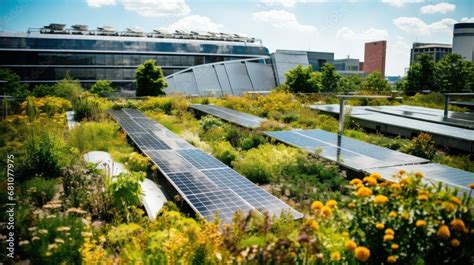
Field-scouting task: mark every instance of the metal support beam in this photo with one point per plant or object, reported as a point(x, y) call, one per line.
point(341, 116)
point(446, 105)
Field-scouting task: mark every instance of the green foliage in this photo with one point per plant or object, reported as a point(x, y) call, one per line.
point(454, 74)
point(349, 83)
point(88, 107)
point(40, 190)
point(67, 88)
point(12, 87)
point(225, 152)
point(375, 82)
point(102, 88)
point(243, 139)
point(94, 136)
point(422, 146)
point(420, 75)
point(330, 78)
point(149, 79)
point(126, 192)
point(208, 122)
point(43, 90)
point(301, 79)
point(137, 162)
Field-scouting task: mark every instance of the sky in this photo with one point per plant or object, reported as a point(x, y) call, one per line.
point(340, 26)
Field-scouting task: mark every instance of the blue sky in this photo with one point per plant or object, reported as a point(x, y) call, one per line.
point(341, 27)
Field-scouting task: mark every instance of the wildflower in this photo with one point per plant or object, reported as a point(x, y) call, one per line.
point(345, 233)
point(455, 243)
point(405, 215)
point(444, 232)
point(59, 240)
point(380, 226)
point(316, 205)
point(362, 253)
point(388, 237)
point(376, 175)
point(102, 239)
point(331, 203)
point(355, 181)
point(52, 246)
point(419, 175)
point(350, 245)
point(370, 181)
point(326, 211)
point(43, 231)
point(351, 205)
point(389, 231)
point(86, 234)
point(32, 228)
point(76, 210)
point(394, 246)
point(48, 253)
point(395, 186)
point(63, 229)
point(35, 238)
point(336, 256)
point(405, 181)
point(471, 186)
point(364, 192)
point(423, 197)
point(392, 214)
point(458, 225)
point(314, 225)
point(401, 172)
point(23, 242)
point(380, 199)
point(447, 206)
point(391, 259)
point(456, 200)
point(420, 223)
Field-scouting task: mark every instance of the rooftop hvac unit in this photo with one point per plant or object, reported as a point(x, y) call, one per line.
point(55, 27)
point(78, 27)
point(107, 29)
point(136, 30)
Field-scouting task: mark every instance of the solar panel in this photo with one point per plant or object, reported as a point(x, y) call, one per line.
point(354, 154)
point(453, 177)
point(205, 183)
point(200, 159)
point(230, 115)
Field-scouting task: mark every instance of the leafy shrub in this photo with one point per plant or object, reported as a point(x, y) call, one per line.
point(40, 190)
point(32, 107)
point(94, 136)
point(102, 88)
point(207, 122)
point(205, 101)
point(225, 152)
point(422, 146)
point(137, 162)
point(90, 108)
point(126, 192)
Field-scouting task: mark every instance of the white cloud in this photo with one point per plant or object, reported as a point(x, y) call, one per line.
point(401, 3)
point(467, 19)
point(195, 23)
point(417, 26)
point(371, 34)
point(100, 3)
point(442, 8)
point(285, 3)
point(157, 8)
point(282, 19)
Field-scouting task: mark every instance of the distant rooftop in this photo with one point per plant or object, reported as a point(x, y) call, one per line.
point(56, 28)
point(431, 45)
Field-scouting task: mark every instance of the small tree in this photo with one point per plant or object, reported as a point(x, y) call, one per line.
point(349, 83)
point(102, 88)
point(12, 87)
point(375, 82)
point(330, 78)
point(454, 74)
point(150, 80)
point(420, 75)
point(301, 79)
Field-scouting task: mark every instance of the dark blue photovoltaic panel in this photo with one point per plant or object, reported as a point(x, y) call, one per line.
point(168, 161)
point(192, 182)
point(200, 159)
point(148, 141)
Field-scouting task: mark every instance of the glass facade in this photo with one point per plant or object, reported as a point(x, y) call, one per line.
point(39, 60)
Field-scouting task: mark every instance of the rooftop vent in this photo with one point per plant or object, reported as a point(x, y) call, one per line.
point(78, 27)
point(107, 29)
point(55, 27)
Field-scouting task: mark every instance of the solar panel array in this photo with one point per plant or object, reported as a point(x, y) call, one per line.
point(230, 115)
point(351, 153)
point(209, 186)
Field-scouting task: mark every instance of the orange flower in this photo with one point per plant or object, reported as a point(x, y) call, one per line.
point(380, 226)
point(326, 211)
point(355, 181)
point(456, 200)
point(392, 214)
point(455, 243)
point(380, 199)
point(394, 246)
point(370, 181)
point(402, 171)
point(420, 223)
point(458, 225)
point(389, 231)
point(336, 256)
point(419, 175)
point(362, 253)
point(422, 197)
point(388, 237)
point(376, 175)
point(331, 203)
point(395, 186)
point(471, 186)
point(391, 259)
point(350, 245)
point(449, 207)
point(316, 205)
point(444, 232)
point(314, 225)
point(405, 215)
point(364, 192)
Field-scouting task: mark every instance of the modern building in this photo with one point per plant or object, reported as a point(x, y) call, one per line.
point(374, 57)
point(463, 40)
point(436, 50)
point(45, 55)
point(284, 60)
point(347, 64)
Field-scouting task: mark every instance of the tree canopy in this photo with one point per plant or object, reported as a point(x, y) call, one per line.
point(302, 80)
point(375, 82)
point(12, 87)
point(330, 78)
point(102, 88)
point(149, 79)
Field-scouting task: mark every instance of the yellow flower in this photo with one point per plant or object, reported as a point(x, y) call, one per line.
point(350, 245)
point(394, 246)
point(362, 253)
point(364, 192)
point(423, 197)
point(59, 240)
point(380, 199)
point(389, 231)
point(456, 200)
point(345, 233)
point(471, 186)
point(326, 211)
point(449, 207)
point(405, 215)
point(405, 181)
point(458, 225)
point(380, 226)
point(43, 231)
point(388, 237)
point(355, 181)
point(314, 225)
point(455, 243)
point(331, 203)
point(336, 256)
point(351, 205)
point(402, 172)
point(391, 259)
point(444, 232)
point(419, 175)
point(420, 223)
point(392, 214)
point(376, 175)
point(63, 229)
point(35, 238)
point(316, 205)
point(395, 186)
point(370, 181)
